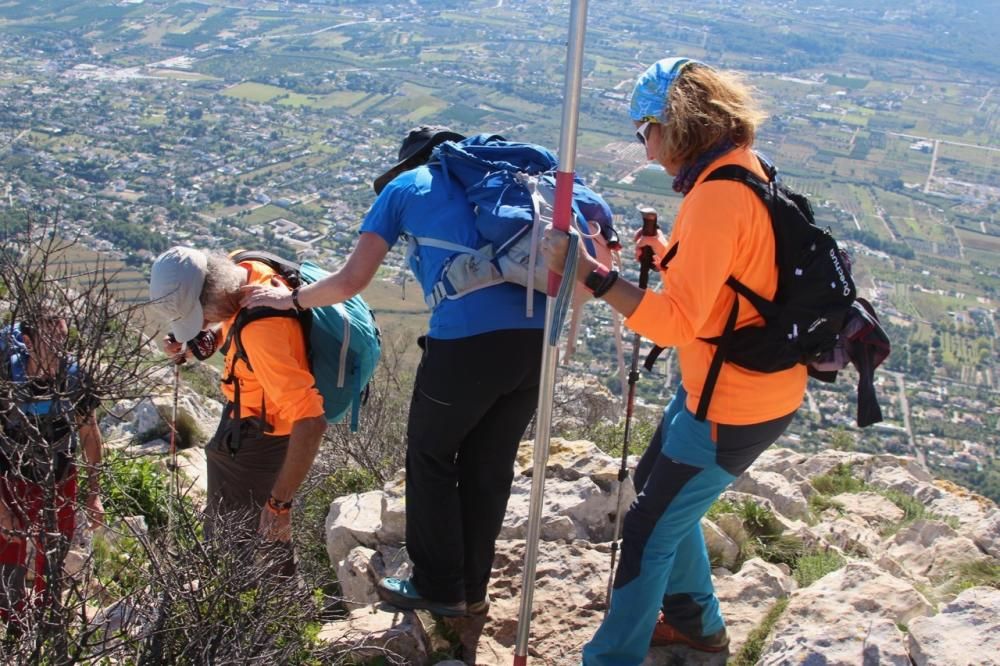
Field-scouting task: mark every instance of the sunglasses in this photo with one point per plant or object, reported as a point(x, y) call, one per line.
point(642, 131)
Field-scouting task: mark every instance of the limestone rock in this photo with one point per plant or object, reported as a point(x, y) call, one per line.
point(356, 577)
point(872, 508)
point(850, 534)
point(721, 549)
point(569, 597)
point(590, 510)
point(786, 496)
point(570, 460)
point(393, 513)
point(390, 561)
point(931, 550)
point(193, 467)
point(986, 534)
point(902, 480)
point(965, 632)
point(847, 617)
point(373, 631)
point(733, 526)
point(353, 521)
point(747, 595)
point(960, 504)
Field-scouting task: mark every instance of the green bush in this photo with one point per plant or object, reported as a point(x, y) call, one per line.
point(134, 487)
point(189, 435)
point(839, 480)
point(758, 520)
point(720, 507)
point(781, 549)
point(979, 573)
point(819, 503)
point(119, 567)
point(811, 567)
point(913, 510)
point(610, 437)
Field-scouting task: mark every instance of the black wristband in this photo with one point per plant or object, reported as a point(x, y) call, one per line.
point(295, 300)
point(606, 285)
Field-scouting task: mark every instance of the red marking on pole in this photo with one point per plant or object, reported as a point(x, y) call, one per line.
point(520, 661)
point(563, 209)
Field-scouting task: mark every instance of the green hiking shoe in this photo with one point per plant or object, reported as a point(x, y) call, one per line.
point(401, 593)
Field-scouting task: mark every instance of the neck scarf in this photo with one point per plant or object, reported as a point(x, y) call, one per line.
point(688, 174)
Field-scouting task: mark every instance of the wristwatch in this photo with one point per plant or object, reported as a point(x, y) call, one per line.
point(595, 278)
point(600, 280)
point(295, 300)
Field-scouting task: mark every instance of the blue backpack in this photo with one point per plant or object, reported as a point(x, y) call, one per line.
point(51, 411)
point(511, 186)
point(13, 349)
point(343, 341)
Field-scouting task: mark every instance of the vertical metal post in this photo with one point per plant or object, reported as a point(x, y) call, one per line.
point(543, 417)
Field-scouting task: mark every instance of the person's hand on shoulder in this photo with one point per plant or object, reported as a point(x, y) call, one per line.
point(276, 296)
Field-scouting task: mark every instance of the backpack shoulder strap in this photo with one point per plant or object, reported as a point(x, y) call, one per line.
point(234, 336)
point(741, 174)
point(285, 268)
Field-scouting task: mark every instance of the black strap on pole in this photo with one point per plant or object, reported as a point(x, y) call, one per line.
point(649, 228)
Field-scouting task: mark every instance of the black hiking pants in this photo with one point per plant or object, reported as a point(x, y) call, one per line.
point(472, 400)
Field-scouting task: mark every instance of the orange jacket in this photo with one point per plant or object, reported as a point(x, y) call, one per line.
point(721, 229)
point(281, 376)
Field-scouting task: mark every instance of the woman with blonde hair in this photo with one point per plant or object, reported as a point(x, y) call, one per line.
point(692, 119)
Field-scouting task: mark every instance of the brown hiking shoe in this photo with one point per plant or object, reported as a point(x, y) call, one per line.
point(664, 634)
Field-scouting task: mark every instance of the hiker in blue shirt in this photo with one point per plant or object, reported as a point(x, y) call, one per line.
point(476, 386)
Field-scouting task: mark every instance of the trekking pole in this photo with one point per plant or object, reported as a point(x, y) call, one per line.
point(649, 228)
point(178, 361)
point(546, 388)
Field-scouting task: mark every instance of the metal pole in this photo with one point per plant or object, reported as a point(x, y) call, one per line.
point(649, 228)
point(560, 220)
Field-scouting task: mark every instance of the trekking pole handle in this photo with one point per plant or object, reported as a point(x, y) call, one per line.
point(649, 220)
point(649, 228)
point(181, 357)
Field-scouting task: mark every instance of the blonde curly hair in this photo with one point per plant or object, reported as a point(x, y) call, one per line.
point(706, 106)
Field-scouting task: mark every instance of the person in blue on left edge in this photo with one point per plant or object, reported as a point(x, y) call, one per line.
point(475, 391)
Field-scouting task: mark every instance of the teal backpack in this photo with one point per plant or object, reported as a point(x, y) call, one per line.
point(343, 341)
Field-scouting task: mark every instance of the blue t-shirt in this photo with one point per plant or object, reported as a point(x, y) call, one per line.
point(423, 202)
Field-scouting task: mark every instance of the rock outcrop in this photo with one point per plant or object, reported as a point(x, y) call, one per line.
point(855, 577)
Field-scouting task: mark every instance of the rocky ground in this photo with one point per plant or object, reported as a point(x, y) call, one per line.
point(836, 558)
point(882, 573)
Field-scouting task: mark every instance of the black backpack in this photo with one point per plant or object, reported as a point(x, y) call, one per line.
point(814, 297)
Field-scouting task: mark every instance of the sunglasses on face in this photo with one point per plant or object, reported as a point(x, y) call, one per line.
point(642, 131)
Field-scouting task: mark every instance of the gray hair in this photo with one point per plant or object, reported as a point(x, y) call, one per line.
point(220, 295)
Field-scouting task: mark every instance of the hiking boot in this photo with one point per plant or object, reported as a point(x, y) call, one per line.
point(479, 607)
point(665, 634)
point(401, 593)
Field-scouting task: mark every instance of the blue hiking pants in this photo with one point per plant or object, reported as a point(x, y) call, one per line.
point(664, 562)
